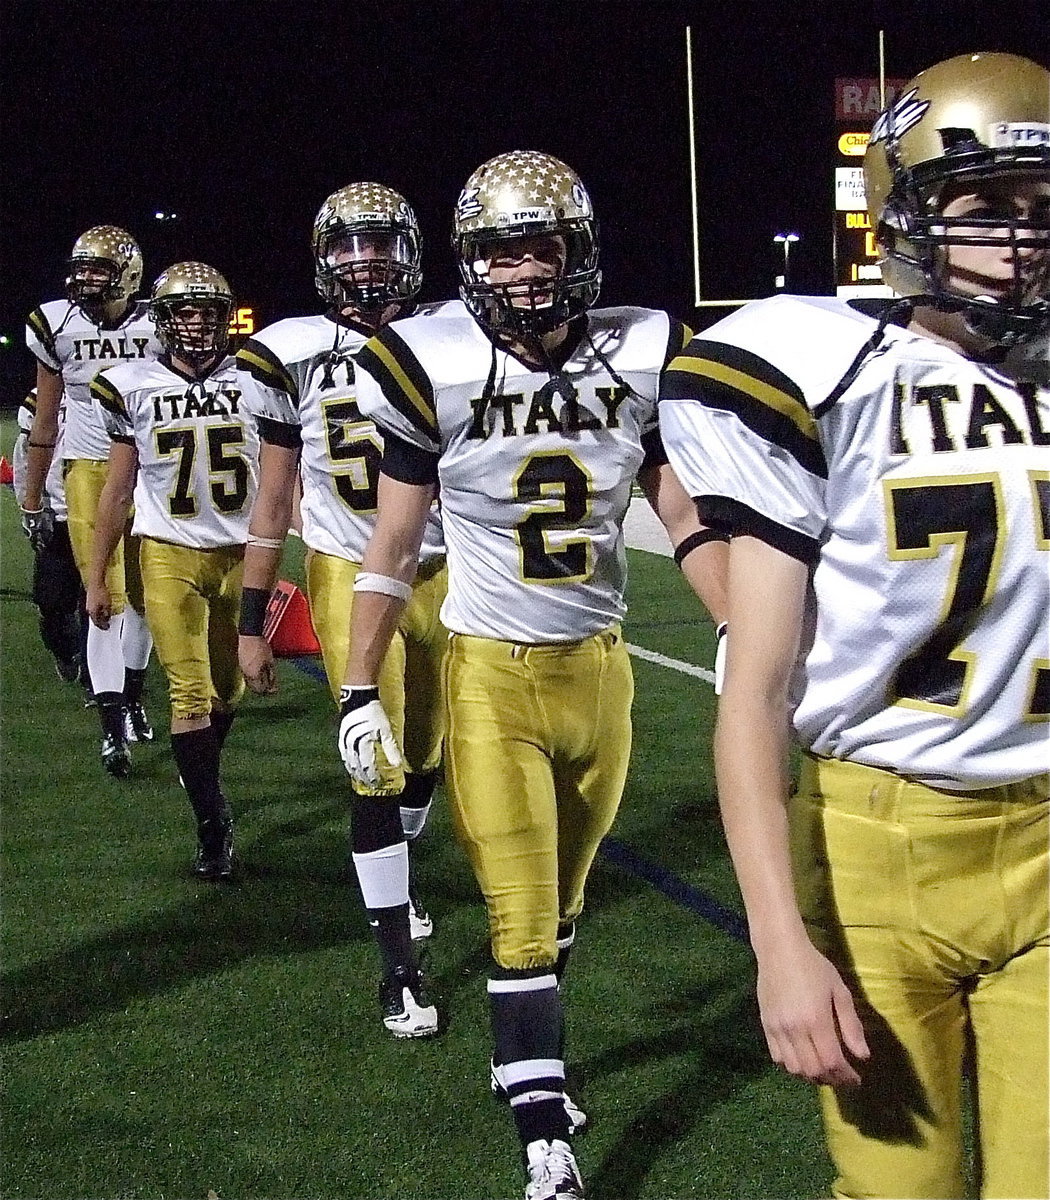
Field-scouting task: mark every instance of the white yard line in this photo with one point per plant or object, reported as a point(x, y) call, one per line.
point(643, 531)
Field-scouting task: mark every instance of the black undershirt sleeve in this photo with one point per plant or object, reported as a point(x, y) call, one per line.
point(408, 463)
point(279, 433)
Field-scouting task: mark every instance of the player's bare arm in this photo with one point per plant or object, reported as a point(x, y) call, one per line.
point(392, 554)
point(40, 447)
point(704, 568)
point(270, 521)
point(110, 521)
point(808, 1016)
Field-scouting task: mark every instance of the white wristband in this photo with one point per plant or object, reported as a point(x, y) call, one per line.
point(265, 543)
point(386, 585)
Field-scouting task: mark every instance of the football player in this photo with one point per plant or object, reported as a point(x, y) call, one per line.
point(178, 424)
point(532, 413)
point(298, 378)
point(57, 592)
point(886, 483)
point(98, 325)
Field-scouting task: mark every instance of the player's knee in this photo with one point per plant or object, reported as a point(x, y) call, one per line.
point(375, 823)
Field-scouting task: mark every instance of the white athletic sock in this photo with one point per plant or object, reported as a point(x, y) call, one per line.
point(413, 820)
point(136, 640)
point(105, 656)
point(383, 876)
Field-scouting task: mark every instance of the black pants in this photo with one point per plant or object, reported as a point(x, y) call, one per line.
point(58, 595)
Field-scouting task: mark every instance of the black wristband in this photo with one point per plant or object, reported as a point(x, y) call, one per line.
point(253, 611)
point(695, 540)
point(354, 697)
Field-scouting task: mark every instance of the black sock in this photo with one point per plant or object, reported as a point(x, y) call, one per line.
point(111, 714)
point(375, 824)
point(527, 1028)
point(566, 936)
point(134, 681)
point(197, 758)
point(393, 937)
point(221, 722)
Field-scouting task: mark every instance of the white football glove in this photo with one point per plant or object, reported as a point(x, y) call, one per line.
point(367, 745)
point(39, 526)
point(721, 633)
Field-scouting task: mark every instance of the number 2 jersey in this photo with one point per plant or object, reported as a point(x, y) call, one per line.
point(66, 341)
point(300, 373)
point(198, 450)
point(916, 483)
point(534, 468)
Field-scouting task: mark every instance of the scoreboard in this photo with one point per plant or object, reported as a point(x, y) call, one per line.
point(857, 104)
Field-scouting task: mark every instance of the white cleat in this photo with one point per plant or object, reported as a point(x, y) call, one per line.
point(553, 1173)
point(406, 1012)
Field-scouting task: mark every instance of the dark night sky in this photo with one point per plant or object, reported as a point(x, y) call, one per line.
point(243, 116)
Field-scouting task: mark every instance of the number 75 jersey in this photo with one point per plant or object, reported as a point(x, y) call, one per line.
point(916, 483)
point(198, 450)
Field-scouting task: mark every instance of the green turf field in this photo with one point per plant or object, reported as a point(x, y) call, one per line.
point(165, 1040)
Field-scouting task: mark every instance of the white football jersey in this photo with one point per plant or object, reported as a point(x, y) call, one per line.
point(54, 485)
point(300, 372)
point(198, 450)
point(65, 340)
point(534, 469)
point(917, 484)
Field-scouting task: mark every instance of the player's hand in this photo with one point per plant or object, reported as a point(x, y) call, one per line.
point(39, 526)
point(808, 1016)
point(99, 605)
point(721, 633)
point(256, 662)
point(367, 745)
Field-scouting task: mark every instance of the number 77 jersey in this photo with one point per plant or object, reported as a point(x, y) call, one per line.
point(198, 450)
point(916, 484)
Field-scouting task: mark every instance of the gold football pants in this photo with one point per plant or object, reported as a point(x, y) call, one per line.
point(84, 480)
point(193, 599)
point(934, 907)
point(538, 743)
point(410, 677)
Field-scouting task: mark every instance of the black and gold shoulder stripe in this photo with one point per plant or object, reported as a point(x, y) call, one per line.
point(42, 328)
point(262, 364)
point(769, 403)
point(392, 364)
point(108, 396)
point(678, 337)
point(29, 402)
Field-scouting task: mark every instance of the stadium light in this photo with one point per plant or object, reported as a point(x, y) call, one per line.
point(161, 215)
point(785, 239)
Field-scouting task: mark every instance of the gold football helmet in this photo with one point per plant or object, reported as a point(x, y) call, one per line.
point(974, 117)
point(104, 267)
point(367, 248)
point(522, 194)
point(191, 306)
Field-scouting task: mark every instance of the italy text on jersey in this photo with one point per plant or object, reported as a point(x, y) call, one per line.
point(65, 340)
